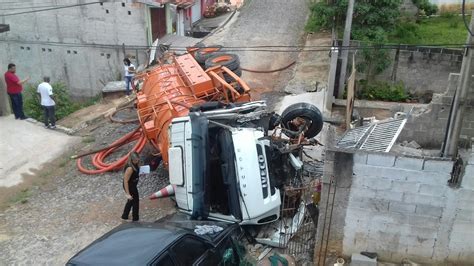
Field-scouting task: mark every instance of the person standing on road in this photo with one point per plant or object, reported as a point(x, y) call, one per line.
point(45, 92)
point(14, 90)
point(130, 182)
point(129, 73)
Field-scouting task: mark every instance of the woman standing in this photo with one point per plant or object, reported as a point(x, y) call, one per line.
point(130, 182)
point(129, 73)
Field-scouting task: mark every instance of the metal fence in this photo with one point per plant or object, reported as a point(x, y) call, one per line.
point(298, 222)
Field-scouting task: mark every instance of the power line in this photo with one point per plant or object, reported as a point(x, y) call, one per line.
point(52, 8)
point(30, 7)
point(257, 48)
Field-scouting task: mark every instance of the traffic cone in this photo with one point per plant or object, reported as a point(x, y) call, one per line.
point(163, 193)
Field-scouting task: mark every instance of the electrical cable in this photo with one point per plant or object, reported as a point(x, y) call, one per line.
point(29, 7)
point(254, 48)
point(249, 48)
point(52, 8)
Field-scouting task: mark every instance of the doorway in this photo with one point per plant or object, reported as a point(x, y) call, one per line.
point(158, 23)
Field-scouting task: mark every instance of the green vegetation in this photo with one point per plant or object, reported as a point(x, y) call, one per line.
point(64, 104)
point(20, 197)
point(445, 29)
point(371, 23)
point(382, 91)
point(426, 7)
point(88, 139)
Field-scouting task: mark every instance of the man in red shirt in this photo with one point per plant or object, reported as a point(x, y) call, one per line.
point(14, 89)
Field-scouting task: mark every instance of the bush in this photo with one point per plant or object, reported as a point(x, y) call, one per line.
point(382, 91)
point(321, 17)
point(406, 30)
point(425, 6)
point(64, 105)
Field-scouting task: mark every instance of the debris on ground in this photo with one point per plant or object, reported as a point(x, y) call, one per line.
point(207, 229)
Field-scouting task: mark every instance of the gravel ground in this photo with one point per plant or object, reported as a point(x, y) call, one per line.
point(61, 218)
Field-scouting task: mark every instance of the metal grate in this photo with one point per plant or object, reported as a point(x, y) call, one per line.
point(353, 137)
point(378, 136)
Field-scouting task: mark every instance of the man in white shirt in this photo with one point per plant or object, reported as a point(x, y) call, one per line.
point(47, 102)
point(129, 73)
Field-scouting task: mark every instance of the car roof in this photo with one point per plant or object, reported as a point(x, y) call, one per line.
point(139, 243)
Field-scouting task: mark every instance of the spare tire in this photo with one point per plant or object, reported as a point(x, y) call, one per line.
point(307, 111)
point(231, 61)
point(204, 53)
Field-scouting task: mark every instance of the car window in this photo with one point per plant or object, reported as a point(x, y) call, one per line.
point(209, 258)
point(164, 260)
point(188, 250)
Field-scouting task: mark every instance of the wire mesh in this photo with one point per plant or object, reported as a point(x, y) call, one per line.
point(299, 216)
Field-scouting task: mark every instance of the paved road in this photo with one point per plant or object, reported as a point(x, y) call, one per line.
point(25, 146)
point(265, 22)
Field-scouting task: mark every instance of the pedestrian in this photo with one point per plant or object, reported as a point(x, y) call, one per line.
point(130, 182)
point(129, 73)
point(14, 90)
point(45, 92)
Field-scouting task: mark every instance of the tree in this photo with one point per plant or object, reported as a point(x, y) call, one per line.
point(372, 21)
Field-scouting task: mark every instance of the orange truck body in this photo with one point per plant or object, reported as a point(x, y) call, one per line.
point(170, 90)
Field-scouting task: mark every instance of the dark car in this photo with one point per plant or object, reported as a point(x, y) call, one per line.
point(168, 241)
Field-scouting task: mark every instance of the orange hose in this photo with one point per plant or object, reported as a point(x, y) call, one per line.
point(98, 160)
point(268, 71)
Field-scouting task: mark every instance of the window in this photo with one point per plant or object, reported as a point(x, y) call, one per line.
point(164, 260)
point(188, 250)
point(210, 258)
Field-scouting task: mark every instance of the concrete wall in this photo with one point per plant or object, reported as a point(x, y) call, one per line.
point(422, 72)
point(400, 207)
point(427, 125)
point(79, 46)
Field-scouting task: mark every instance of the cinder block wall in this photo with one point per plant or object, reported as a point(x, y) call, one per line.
point(401, 207)
point(427, 125)
point(67, 44)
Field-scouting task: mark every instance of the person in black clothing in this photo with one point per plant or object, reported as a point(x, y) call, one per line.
point(130, 182)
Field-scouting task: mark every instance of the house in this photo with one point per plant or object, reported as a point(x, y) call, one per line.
point(83, 44)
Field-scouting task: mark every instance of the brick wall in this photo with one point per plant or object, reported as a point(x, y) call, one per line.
point(401, 207)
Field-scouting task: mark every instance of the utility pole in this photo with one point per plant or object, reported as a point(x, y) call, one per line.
point(457, 109)
point(345, 51)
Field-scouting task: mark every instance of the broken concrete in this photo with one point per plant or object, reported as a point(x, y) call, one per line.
point(114, 86)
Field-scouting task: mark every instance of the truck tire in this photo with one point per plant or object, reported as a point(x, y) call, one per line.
point(238, 72)
point(306, 111)
point(204, 53)
point(231, 61)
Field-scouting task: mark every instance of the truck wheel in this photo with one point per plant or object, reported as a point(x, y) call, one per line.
point(231, 61)
point(238, 72)
point(308, 112)
point(204, 53)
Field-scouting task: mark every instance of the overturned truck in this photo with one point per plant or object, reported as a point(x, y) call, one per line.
point(228, 157)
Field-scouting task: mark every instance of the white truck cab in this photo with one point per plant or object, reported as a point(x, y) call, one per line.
point(223, 166)
point(221, 172)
